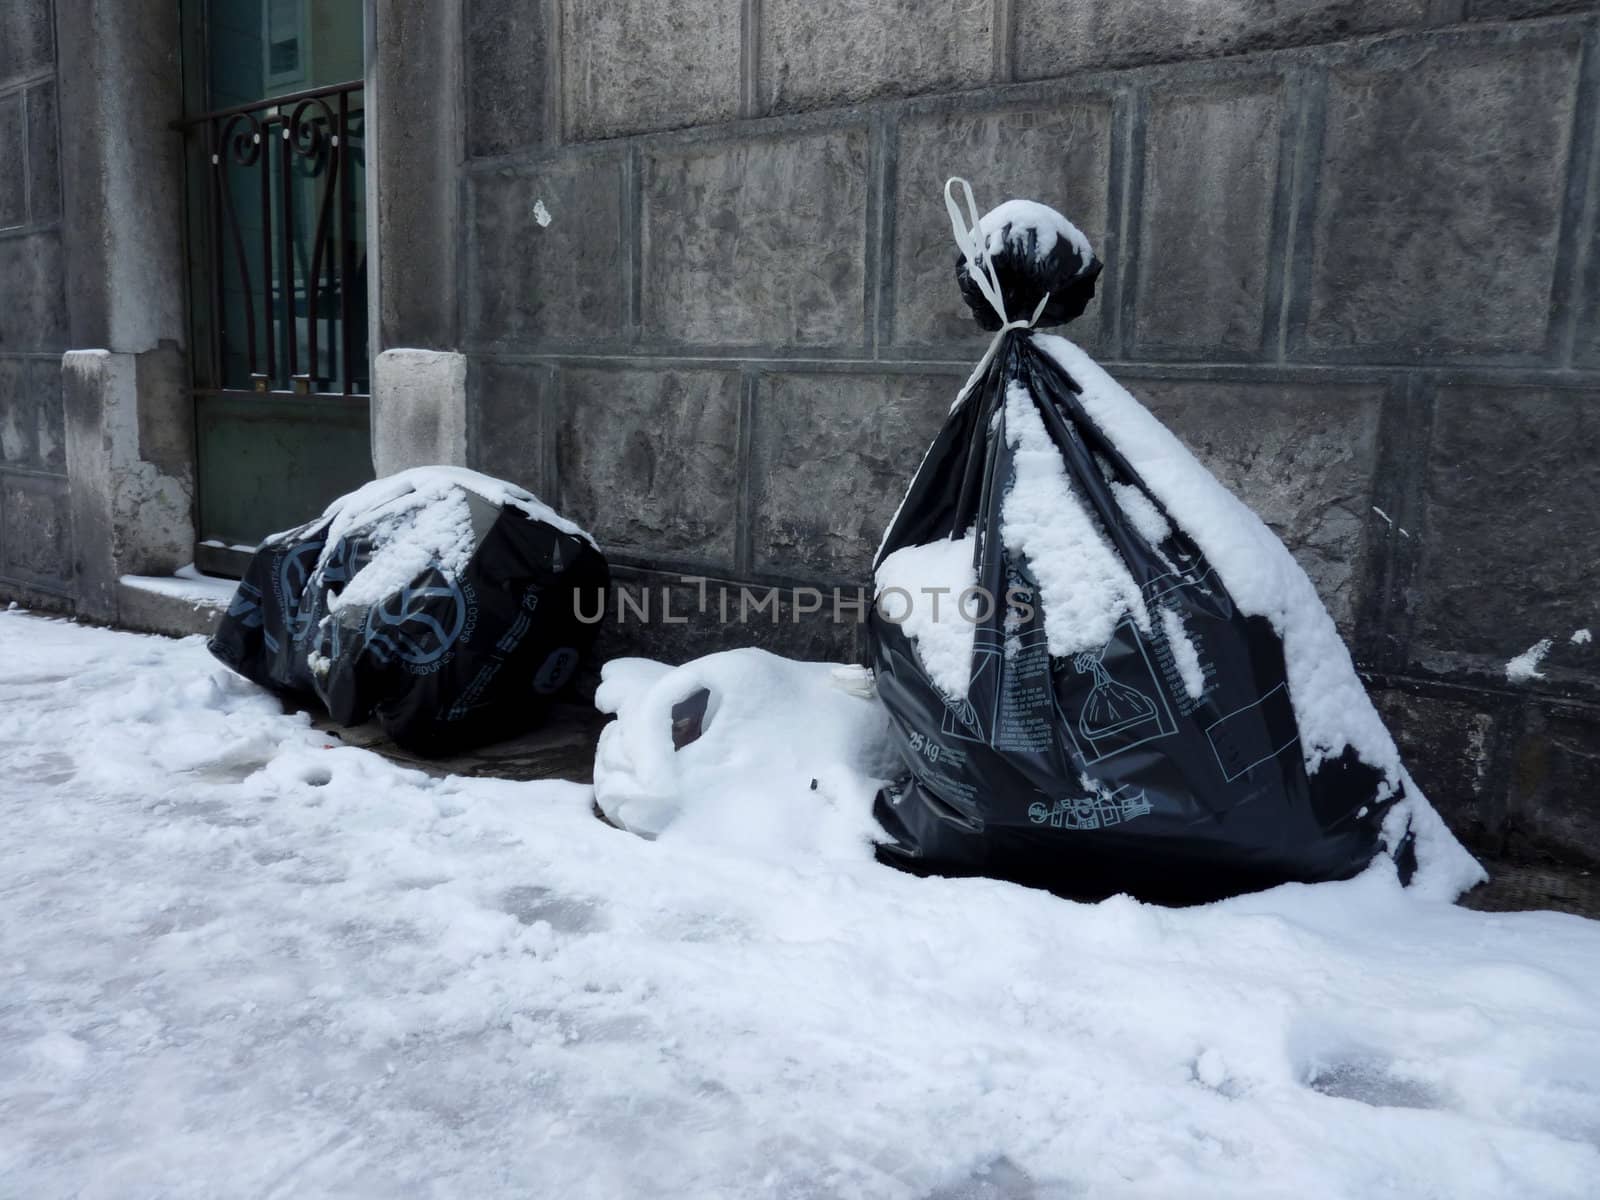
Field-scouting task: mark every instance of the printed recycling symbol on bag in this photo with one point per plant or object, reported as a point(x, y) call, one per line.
point(419, 624)
point(1091, 812)
point(297, 599)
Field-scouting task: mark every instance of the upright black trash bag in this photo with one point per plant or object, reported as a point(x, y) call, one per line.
point(1106, 674)
point(445, 604)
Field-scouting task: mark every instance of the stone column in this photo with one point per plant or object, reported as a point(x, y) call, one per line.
point(415, 142)
point(129, 515)
point(129, 417)
point(419, 407)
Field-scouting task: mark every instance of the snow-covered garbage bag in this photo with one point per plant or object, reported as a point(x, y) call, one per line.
point(448, 605)
point(1105, 673)
point(746, 750)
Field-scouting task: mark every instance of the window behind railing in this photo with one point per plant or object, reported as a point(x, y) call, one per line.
point(276, 137)
point(287, 243)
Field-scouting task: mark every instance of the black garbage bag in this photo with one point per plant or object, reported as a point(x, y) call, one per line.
point(447, 605)
point(1107, 675)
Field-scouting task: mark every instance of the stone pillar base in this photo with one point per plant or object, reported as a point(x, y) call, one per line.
point(131, 496)
point(419, 410)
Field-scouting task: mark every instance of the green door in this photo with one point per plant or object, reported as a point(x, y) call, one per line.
point(276, 141)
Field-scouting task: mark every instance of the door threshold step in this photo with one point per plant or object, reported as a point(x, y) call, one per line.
point(177, 605)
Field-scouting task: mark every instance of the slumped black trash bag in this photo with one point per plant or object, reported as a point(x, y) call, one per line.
point(1130, 685)
point(439, 601)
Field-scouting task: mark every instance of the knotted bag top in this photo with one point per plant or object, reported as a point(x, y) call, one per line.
point(1018, 259)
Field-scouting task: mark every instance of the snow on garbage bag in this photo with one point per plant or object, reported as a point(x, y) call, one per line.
point(446, 604)
point(1105, 673)
point(743, 749)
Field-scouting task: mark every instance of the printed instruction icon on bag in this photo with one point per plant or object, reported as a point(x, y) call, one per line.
point(1125, 705)
point(963, 719)
point(1111, 706)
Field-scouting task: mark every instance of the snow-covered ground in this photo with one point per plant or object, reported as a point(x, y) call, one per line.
point(237, 961)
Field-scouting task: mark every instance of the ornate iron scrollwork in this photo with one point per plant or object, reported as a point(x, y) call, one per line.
point(291, 290)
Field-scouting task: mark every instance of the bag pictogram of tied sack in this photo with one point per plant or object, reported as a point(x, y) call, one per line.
point(1104, 672)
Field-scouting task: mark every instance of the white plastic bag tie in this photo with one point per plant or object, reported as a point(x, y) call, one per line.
point(975, 248)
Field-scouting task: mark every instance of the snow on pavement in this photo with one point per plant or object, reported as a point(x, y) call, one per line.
point(235, 961)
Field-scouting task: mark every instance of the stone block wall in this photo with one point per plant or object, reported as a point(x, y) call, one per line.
point(705, 289)
point(93, 484)
point(35, 520)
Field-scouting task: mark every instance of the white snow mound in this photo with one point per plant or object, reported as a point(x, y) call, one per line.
point(787, 763)
point(920, 588)
point(242, 959)
point(1184, 652)
point(1084, 588)
point(422, 517)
